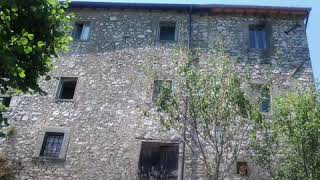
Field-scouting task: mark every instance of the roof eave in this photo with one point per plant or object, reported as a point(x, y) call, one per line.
point(303, 11)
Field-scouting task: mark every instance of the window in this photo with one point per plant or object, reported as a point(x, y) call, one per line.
point(66, 88)
point(158, 161)
point(167, 31)
point(261, 93)
point(52, 144)
point(5, 100)
point(218, 132)
point(258, 37)
point(242, 168)
point(81, 31)
point(161, 88)
point(265, 99)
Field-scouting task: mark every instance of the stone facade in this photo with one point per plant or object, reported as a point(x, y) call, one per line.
point(105, 120)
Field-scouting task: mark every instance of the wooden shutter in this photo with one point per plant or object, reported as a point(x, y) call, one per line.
point(169, 159)
point(269, 39)
point(246, 40)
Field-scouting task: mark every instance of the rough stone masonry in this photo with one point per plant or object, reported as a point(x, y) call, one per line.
point(102, 126)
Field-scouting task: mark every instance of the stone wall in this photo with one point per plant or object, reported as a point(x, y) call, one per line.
point(105, 118)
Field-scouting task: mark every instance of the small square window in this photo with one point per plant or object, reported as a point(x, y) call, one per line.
point(81, 31)
point(158, 161)
point(66, 88)
point(167, 31)
point(5, 100)
point(52, 143)
point(242, 168)
point(161, 87)
point(258, 37)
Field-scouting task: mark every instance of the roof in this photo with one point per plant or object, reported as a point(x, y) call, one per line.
point(215, 8)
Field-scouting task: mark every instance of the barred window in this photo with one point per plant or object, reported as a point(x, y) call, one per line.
point(52, 144)
point(167, 31)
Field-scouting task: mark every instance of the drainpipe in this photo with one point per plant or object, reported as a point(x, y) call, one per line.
point(186, 105)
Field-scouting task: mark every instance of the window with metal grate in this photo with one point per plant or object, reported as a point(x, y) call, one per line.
point(51, 145)
point(167, 31)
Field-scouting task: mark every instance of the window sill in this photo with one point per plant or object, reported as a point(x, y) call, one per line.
point(79, 40)
point(267, 115)
point(47, 159)
point(254, 50)
point(64, 100)
point(167, 41)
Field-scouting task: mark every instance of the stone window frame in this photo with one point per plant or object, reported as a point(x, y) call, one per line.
point(58, 89)
point(87, 22)
point(178, 143)
point(175, 32)
point(64, 147)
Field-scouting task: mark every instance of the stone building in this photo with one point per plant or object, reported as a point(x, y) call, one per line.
point(89, 126)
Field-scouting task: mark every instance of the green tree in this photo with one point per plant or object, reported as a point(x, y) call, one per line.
point(209, 108)
point(288, 145)
point(32, 33)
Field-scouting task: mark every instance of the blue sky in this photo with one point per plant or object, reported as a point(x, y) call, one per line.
point(313, 30)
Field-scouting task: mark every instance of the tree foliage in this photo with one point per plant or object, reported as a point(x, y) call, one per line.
point(209, 108)
point(32, 33)
point(289, 144)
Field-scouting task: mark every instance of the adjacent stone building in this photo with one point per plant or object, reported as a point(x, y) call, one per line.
point(90, 124)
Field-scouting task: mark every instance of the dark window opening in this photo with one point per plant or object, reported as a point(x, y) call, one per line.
point(167, 31)
point(258, 37)
point(81, 31)
point(51, 145)
point(265, 100)
point(78, 30)
point(5, 100)
point(158, 161)
point(161, 88)
point(242, 168)
point(67, 88)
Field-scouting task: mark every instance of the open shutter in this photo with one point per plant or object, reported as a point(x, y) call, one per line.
point(85, 32)
point(169, 160)
point(78, 30)
point(246, 38)
point(269, 39)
